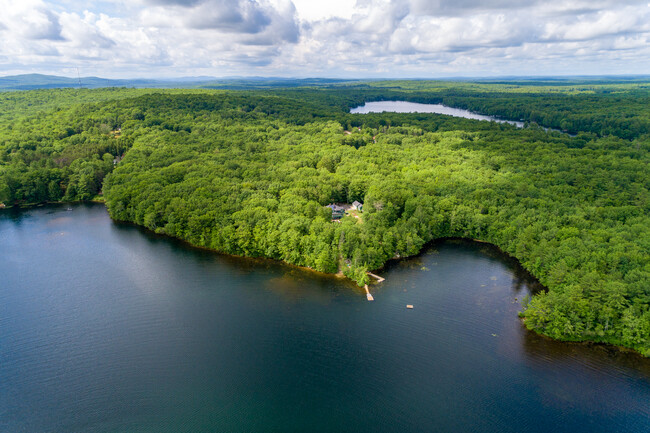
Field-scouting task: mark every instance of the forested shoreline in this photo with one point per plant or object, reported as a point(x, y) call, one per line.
point(250, 173)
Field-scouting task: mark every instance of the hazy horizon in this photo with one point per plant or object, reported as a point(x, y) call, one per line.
point(360, 78)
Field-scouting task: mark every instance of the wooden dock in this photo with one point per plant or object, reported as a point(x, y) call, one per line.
point(368, 295)
point(377, 277)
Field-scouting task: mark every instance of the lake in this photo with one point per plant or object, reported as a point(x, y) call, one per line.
point(106, 327)
point(414, 107)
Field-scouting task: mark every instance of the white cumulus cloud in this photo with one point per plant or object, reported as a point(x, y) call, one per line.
point(362, 38)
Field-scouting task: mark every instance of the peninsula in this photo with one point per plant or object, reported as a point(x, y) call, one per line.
point(251, 173)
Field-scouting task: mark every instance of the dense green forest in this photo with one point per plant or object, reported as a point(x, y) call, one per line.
point(574, 107)
point(250, 172)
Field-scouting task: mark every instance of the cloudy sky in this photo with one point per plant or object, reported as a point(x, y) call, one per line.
point(324, 38)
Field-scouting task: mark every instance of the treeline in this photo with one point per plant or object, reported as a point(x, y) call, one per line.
point(623, 116)
point(574, 211)
point(59, 144)
point(250, 173)
point(53, 148)
point(620, 110)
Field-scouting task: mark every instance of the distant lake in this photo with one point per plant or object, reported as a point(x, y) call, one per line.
point(414, 107)
point(106, 327)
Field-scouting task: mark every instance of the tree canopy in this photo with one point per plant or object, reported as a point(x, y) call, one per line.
point(251, 172)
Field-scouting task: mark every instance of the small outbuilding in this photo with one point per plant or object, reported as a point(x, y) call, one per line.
point(358, 206)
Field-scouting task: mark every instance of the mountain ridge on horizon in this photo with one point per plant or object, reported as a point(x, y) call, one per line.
point(35, 81)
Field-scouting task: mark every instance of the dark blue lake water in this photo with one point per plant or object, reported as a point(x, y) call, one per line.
point(105, 327)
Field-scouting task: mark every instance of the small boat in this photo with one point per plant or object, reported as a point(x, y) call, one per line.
point(409, 306)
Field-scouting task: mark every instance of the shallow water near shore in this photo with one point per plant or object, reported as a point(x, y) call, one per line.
point(106, 327)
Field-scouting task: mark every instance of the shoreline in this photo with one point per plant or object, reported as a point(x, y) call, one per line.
point(24, 206)
point(610, 347)
point(340, 276)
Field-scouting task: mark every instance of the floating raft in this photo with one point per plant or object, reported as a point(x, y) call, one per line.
point(409, 306)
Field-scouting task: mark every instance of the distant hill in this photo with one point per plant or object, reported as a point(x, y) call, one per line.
point(234, 83)
point(40, 81)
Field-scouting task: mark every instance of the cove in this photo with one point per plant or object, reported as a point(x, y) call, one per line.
point(106, 327)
